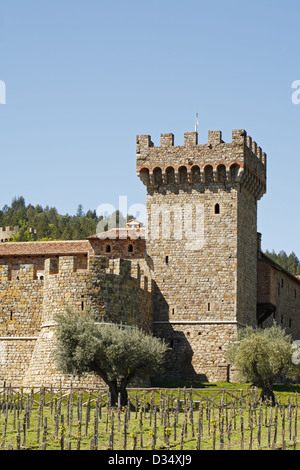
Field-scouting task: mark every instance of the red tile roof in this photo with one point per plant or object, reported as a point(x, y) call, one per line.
point(64, 247)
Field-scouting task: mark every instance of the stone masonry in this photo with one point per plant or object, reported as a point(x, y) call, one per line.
point(201, 244)
point(115, 290)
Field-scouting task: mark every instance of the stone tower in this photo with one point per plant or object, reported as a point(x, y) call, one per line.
point(201, 245)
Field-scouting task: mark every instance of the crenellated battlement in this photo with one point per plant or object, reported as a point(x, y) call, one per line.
point(66, 266)
point(9, 229)
point(115, 289)
point(27, 272)
point(97, 266)
point(241, 160)
point(240, 139)
point(7, 233)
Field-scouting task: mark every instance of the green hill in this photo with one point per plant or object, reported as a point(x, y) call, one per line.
point(50, 225)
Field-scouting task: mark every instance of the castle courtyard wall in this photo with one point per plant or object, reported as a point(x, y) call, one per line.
point(114, 289)
point(278, 288)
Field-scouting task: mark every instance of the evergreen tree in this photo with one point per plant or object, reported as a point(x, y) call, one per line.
point(51, 225)
point(291, 263)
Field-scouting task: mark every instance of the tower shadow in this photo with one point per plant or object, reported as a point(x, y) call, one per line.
point(179, 358)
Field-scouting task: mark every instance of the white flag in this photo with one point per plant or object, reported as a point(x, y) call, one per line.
point(196, 124)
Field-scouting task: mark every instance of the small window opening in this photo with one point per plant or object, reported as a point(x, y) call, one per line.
point(173, 311)
point(217, 209)
point(107, 248)
point(11, 316)
point(130, 248)
point(208, 307)
point(290, 323)
point(167, 260)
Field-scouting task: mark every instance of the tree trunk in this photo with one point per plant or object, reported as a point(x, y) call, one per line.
point(123, 393)
point(267, 394)
point(115, 390)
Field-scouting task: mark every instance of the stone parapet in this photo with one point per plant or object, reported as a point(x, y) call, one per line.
point(117, 291)
point(241, 161)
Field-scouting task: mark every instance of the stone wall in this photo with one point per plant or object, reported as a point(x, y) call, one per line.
point(7, 234)
point(115, 289)
point(279, 291)
point(198, 350)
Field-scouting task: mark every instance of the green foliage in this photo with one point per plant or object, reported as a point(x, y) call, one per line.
point(24, 234)
point(289, 262)
point(261, 355)
point(115, 353)
point(50, 224)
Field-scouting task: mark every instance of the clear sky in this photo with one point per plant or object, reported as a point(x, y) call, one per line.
point(84, 77)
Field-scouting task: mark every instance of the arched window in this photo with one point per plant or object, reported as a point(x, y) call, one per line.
point(195, 174)
point(234, 171)
point(183, 175)
point(221, 173)
point(157, 173)
point(144, 175)
point(208, 172)
point(170, 173)
point(108, 249)
point(217, 209)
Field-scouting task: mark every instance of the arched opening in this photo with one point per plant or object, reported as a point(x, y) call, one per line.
point(208, 174)
point(170, 174)
point(234, 171)
point(196, 178)
point(108, 248)
point(217, 209)
point(183, 175)
point(144, 175)
point(221, 170)
point(157, 175)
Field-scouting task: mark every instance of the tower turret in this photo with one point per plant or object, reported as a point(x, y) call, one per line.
point(201, 243)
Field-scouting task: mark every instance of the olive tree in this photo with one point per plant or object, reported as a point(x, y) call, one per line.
point(262, 355)
point(115, 353)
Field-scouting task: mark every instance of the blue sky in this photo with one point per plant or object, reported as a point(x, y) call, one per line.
point(83, 78)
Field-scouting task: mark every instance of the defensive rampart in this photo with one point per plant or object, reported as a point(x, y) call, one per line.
point(115, 290)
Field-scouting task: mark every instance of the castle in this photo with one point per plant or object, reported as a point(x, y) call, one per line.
point(194, 275)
